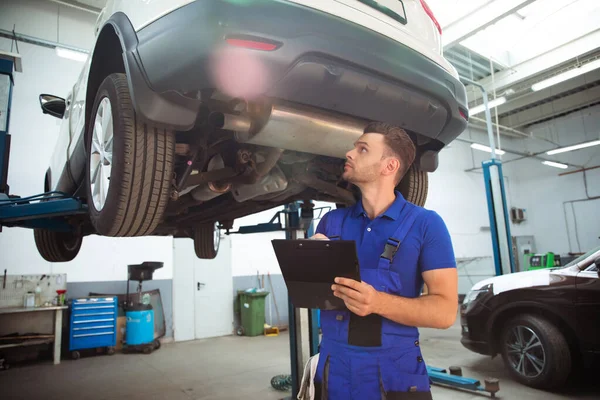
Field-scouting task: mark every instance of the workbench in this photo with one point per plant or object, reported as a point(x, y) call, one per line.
point(57, 339)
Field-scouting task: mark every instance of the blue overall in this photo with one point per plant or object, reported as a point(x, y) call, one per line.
point(373, 357)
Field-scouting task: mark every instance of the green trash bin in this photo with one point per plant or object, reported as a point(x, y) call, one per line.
point(252, 309)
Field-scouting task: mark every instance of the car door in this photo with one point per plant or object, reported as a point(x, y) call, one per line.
point(588, 308)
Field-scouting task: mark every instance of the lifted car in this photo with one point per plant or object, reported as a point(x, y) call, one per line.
point(190, 114)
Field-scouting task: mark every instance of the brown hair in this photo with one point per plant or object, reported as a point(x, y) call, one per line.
point(399, 144)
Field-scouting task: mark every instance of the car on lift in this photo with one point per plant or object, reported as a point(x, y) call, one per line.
point(190, 114)
point(543, 322)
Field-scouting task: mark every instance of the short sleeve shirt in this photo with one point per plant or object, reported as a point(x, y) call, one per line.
point(427, 246)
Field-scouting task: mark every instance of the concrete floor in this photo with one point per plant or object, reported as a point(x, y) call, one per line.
point(233, 368)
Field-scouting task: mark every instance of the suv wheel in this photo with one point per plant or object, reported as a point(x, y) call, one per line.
point(207, 239)
point(535, 352)
point(57, 246)
point(414, 186)
point(129, 164)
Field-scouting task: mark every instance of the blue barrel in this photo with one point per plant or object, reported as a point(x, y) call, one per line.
point(139, 326)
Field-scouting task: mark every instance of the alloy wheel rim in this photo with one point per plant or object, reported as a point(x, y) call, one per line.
point(216, 237)
point(101, 156)
point(525, 352)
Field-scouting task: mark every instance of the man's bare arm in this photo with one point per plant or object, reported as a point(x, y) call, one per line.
point(437, 309)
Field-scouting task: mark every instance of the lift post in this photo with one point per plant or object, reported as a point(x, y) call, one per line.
point(303, 323)
point(9, 64)
point(496, 198)
point(47, 210)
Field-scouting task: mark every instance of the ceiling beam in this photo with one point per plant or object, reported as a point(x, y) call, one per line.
point(552, 108)
point(480, 19)
point(530, 97)
point(544, 62)
point(78, 6)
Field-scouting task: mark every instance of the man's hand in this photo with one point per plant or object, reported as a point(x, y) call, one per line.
point(360, 297)
point(319, 236)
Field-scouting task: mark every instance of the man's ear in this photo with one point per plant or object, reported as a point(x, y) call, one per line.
point(393, 166)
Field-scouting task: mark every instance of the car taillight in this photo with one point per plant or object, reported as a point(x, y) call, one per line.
point(430, 13)
point(252, 44)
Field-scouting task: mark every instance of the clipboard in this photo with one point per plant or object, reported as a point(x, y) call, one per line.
point(309, 268)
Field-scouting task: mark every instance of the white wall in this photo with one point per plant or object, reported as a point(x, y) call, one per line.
point(49, 21)
point(543, 193)
point(33, 139)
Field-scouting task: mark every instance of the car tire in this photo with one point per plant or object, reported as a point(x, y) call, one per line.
point(549, 350)
point(129, 166)
point(57, 246)
point(414, 186)
point(207, 239)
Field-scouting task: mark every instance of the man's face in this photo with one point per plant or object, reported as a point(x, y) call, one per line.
point(365, 163)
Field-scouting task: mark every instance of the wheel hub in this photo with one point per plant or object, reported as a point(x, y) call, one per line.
point(101, 155)
point(525, 352)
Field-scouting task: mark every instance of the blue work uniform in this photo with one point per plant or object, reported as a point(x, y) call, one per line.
point(373, 357)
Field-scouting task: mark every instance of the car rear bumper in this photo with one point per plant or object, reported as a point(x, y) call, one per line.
point(322, 61)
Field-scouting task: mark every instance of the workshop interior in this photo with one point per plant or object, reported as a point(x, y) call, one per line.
point(157, 158)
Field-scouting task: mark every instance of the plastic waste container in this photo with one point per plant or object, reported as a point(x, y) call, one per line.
point(252, 309)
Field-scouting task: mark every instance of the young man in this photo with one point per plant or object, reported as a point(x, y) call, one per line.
point(372, 350)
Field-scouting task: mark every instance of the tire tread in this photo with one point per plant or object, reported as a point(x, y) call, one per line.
point(147, 170)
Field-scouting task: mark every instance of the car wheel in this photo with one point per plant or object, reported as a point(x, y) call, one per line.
point(414, 186)
point(536, 352)
point(57, 246)
point(129, 164)
point(207, 239)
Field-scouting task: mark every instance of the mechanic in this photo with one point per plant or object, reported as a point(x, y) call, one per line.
point(372, 351)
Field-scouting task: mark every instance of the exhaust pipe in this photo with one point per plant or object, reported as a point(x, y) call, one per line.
point(230, 122)
point(211, 189)
point(295, 128)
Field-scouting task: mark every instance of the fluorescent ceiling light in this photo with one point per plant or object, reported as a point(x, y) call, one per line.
point(71, 54)
point(570, 74)
point(574, 147)
point(481, 147)
point(491, 104)
point(555, 164)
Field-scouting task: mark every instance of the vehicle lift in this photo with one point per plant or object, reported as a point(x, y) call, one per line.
point(38, 212)
point(33, 211)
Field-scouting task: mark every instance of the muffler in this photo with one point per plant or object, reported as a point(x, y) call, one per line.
point(297, 128)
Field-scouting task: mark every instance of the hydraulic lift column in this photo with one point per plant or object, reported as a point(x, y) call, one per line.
point(303, 323)
point(496, 199)
point(9, 63)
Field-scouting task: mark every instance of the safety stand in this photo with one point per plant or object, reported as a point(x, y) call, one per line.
point(33, 211)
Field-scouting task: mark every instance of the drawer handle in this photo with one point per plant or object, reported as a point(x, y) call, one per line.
point(93, 314)
point(78, 308)
point(93, 334)
point(93, 327)
point(94, 320)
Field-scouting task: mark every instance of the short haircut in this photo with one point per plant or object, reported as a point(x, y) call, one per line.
point(398, 142)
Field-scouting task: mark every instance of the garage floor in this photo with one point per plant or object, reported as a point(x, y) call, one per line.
point(233, 368)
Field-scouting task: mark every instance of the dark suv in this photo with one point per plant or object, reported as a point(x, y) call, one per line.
point(541, 321)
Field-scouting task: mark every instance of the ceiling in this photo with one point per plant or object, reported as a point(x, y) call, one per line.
point(528, 42)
